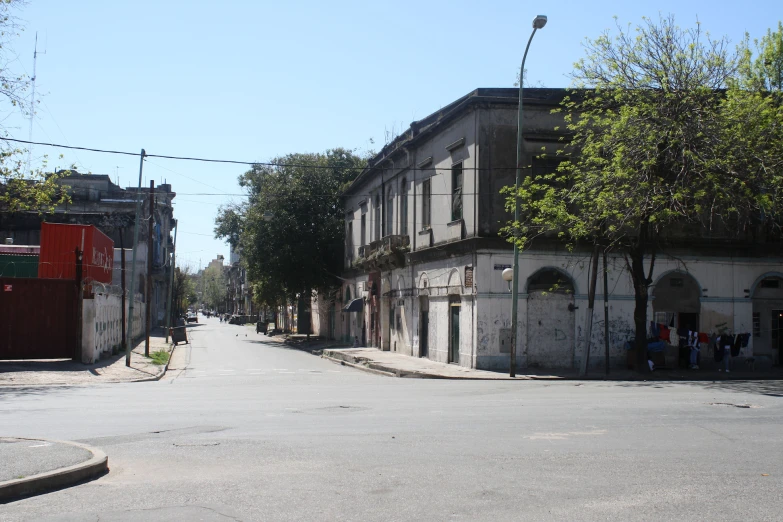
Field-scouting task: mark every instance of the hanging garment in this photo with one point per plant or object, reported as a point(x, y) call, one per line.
point(717, 350)
point(745, 340)
point(671, 322)
point(664, 334)
point(735, 347)
point(654, 329)
point(703, 337)
point(682, 332)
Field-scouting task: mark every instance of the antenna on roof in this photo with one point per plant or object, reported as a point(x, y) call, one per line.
point(32, 101)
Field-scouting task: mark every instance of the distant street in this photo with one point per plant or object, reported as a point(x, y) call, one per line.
point(245, 428)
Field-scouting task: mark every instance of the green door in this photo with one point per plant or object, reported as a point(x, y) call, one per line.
point(454, 337)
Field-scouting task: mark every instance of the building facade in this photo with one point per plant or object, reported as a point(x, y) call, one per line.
point(424, 255)
point(96, 200)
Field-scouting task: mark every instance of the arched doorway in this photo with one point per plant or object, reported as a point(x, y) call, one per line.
point(768, 317)
point(677, 301)
point(677, 305)
point(550, 320)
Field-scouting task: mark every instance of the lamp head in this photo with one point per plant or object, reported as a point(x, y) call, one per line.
point(507, 275)
point(539, 22)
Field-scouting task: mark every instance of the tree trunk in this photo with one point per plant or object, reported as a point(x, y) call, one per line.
point(641, 285)
point(640, 321)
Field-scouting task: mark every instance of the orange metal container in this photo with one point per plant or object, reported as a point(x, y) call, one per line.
point(58, 252)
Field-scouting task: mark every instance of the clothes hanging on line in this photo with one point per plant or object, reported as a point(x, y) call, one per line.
point(664, 334)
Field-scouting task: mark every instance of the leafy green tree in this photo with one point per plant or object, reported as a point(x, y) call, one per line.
point(655, 152)
point(764, 70)
point(214, 287)
point(291, 229)
point(183, 292)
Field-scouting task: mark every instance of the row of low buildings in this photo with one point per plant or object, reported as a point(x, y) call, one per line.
point(96, 200)
point(423, 256)
point(238, 294)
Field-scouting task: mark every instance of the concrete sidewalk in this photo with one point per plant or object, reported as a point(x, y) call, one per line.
point(397, 365)
point(33, 466)
point(69, 373)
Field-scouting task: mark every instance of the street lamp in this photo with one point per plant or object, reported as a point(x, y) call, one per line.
point(508, 276)
point(538, 23)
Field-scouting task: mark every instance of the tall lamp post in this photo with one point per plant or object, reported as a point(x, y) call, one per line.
point(538, 23)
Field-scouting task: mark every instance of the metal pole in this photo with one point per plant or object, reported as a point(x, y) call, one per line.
point(77, 355)
point(606, 316)
point(129, 347)
point(148, 307)
point(171, 281)
point(590, 308)
point(515, 280)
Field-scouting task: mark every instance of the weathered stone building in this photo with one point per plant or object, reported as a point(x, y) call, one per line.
point(424, 255)
point(96, 200)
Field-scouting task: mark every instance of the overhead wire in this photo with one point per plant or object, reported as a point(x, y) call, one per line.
point(250, 163)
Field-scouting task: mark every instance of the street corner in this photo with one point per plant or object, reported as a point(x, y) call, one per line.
point(34, 466)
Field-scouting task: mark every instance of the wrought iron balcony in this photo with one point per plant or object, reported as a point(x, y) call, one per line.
point(385, 253)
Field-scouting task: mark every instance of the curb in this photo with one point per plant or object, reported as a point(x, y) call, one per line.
point(160, 374)
point(378, 369)
point(11, 490)
point(359, 367)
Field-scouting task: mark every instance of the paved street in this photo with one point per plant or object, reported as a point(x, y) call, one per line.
point(245, 428)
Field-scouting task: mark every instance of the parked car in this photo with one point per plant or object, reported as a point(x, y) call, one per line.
point(192, 317)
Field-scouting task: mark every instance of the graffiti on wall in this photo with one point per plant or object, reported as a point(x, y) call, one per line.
point(102, 327)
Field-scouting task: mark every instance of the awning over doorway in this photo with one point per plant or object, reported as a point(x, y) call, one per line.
point(354, 306)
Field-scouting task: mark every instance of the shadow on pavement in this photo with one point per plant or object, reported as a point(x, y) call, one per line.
point(315, 346)
point(68, 365)
point(15, 392)
point(768, 387)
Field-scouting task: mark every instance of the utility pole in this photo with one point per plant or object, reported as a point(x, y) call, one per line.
point(79, 301)
point(606, 316)
point(150, 245)
point(171, 280)
point(129, 347)
point(590, 307)
point(538, 23)
point(122, 272)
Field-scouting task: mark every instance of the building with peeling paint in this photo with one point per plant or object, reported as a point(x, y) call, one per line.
point(424, 257)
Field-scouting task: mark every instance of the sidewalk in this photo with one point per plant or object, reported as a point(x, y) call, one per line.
point(69, 373)
point(397, 365)
point(33, 466)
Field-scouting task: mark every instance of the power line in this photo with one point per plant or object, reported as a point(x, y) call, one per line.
point(254, 163)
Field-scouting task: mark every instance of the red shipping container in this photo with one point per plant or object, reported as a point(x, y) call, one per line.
point(58, 258)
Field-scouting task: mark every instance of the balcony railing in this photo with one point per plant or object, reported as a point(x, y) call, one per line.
point(385, 253)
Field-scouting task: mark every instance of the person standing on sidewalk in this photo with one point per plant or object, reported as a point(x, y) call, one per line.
point(693, 343)
point(725, 343)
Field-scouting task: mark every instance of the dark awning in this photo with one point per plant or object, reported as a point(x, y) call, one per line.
point(354, 306)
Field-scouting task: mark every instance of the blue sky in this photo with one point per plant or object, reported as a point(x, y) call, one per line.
point(251, 80)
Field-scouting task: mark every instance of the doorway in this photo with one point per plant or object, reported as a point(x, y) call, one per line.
point(454, 308)
point(424, 326)
point(777, 333)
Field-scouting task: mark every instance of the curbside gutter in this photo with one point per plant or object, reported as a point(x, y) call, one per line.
point(359, 366)
point(11, 490)
point(161, 373)
point(370, 366)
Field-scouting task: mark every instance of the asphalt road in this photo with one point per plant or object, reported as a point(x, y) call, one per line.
point(252, 430)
